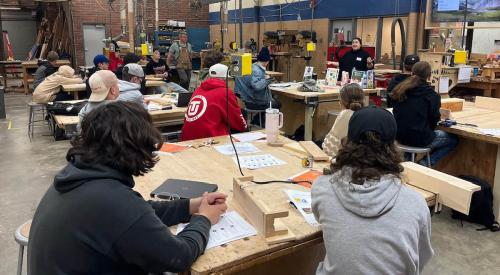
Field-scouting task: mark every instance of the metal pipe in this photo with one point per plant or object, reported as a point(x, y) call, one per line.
point(241, 24)
point(157, 17)
point(131, 25)
point(123, 16)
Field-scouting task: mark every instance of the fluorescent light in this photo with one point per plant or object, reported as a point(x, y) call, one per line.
point(10, 8)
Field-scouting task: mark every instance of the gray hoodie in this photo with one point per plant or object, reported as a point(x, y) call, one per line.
point(130, 92)
point(380, 227)
point(85, 110)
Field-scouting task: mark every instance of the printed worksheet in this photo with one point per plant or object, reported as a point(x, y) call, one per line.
point(259, 161)
point(302, 201)
point(490, 131)
point(231, 227)
point(241, 148)
point(250, 136)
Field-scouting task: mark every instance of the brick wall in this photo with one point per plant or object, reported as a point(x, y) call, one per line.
point(98, 12)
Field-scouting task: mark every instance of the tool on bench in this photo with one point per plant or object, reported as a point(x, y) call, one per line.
point(450, 122)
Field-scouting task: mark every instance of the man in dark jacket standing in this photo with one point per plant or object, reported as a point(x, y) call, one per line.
point(91, 221)
point(45, 68)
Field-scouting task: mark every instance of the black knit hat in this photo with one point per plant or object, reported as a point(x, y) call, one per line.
point(373, 119)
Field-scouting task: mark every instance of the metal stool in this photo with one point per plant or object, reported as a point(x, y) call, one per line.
point(251, 114)
point(21, 236)
point(416, 150)
point(35, 108)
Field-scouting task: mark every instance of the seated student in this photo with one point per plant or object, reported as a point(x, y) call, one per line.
point(158, 68)
point(101, 62)
point(91, 221)
point(130, 58)
point(416, 109)
point(104, 85)
point(409, 61)
point(45, 68)
point(130, 86)
point(351, 99)
point(211, 58)
point(206, 114)
point(371, 222)
point(254, 89)
point(50, 89)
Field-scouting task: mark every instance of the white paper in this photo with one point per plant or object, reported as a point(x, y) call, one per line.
point(280, 85)
point(231, 227)
point(259, 161)
point(490, 131)
point(250, 136)
point(464, 74)
point(154, 107)
point(302, 201)
point(241, 148)
point(444, 83)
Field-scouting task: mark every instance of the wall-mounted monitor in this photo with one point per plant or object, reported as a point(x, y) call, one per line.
point(477, 10)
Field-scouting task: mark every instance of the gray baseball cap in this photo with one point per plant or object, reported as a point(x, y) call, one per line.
point(134, 69)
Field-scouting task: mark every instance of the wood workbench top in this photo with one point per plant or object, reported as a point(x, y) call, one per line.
point(330, 92)
point(482, 117)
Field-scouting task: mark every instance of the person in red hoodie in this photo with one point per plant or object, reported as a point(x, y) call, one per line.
point(206, 115)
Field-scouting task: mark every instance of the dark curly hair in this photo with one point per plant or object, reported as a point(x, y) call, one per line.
point(369, 159)
point(119, 135)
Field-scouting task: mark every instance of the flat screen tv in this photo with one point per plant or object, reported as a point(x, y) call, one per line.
point(477, 10)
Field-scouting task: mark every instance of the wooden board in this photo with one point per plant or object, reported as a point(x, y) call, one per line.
point(162, 118)
point(429, 197)
point(74, 87)
point(452, 104)
point(487, 103)
point(296, 147)
point(313, 150)
point(62, 121)
point(247, 196)
point(452, 192)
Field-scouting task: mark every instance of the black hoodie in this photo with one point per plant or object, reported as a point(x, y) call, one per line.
point(353, 60)
point(418, 116)
point(44, 69)
point(90, 221)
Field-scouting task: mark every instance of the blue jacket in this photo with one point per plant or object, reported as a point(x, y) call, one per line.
point(254, 88)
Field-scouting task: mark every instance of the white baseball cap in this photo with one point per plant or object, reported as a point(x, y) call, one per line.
point(218, 70)
point(100, 83)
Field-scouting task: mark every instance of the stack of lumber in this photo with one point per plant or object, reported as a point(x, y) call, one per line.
point(53, 32)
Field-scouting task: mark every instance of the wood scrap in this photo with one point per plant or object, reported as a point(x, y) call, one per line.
point(313, 150)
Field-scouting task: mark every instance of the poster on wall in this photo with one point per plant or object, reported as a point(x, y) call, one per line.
point(454, 10)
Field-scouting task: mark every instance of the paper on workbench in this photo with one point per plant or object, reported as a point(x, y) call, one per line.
point(302, 201)
point(250, 136)
point(241, 148)
point(231, 227)
point(259, 161)
point(490, 131)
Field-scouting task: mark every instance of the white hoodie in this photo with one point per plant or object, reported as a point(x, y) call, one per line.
point(380, 227)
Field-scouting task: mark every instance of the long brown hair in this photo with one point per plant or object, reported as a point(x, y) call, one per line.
point(369, 159)
point(421, 71)
point(352, 96)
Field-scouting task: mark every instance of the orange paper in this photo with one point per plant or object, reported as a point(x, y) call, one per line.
point(173, 148)
point(306, 178)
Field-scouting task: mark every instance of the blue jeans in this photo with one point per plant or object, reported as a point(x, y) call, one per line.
point(443, 144)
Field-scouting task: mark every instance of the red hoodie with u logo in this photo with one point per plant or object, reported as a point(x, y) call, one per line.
point(206, 114)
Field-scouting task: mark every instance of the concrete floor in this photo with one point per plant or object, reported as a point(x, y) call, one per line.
point(27, 169)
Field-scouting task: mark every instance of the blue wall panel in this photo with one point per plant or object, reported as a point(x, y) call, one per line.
point(331, 9)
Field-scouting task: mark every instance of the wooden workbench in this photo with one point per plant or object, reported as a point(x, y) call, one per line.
point(6, 65)
point(310, 109)
point(29, 66)
point(74, 89)
point(477, 154)
point(163, 118)
point(254, 255)
point(489, 87)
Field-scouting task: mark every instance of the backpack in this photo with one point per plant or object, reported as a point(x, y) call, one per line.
point(481, 207)
point(67, 109)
